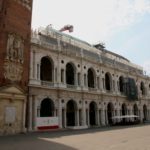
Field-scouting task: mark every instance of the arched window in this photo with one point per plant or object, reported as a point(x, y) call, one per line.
point(91, 79)
point(46, 69)
point(124, 109)
point(142, 87)
point(121, 84)
point(47, 108)
point(70, 74)
point(108, 81)
point(135, 109)
point(144, 113)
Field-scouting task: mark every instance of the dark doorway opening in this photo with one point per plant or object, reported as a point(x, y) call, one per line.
point(92, 113)
point(47, 108)
point(71, 109)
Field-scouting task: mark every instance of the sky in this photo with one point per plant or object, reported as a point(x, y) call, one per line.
point(123, 25)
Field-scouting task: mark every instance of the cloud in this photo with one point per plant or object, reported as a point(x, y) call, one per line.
point(94, 20)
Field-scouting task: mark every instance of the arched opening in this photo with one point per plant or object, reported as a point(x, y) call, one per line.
point(108, 81)
point(47, 108)
point(124, 112)
point(46, 69)
point(70, 74)
point(92, 113)
point(135, 110)
point(91, 78)
point(110, 110)
point(121, 84)
point(142, 87)
point(144, 113)
point(71, 113)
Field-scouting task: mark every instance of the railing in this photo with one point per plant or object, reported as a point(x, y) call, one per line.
point(47, 83)
point(71, 86)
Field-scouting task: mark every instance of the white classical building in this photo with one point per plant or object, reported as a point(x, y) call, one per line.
point(81, 85)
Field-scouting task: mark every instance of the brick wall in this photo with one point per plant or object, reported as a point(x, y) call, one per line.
point(15, 18)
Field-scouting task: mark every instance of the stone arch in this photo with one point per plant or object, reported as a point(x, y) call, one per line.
point(91, 78)
point(71, 113)
point(135, 109)
point(142, 88)
point(144, 112)
point(110, 111)
point(121, 84)
point(47, 108)
point(108, 81)
point(124, 109)
point(92, 113)
point(47, 69)
point(70, 73)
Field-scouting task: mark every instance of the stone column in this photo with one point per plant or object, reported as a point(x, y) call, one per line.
point(103, 117)
point(34, 112)
point(77, 117)
point(60, 113)
point(141, 115)
point(24, 115)
point(83, 114)
point(106, 117)
point(98, 121)
point(65, 120)
point(75, 79)
point(30, 113)
point(64, 77)
point(118, 114)
point(88, 117)
point(38, 71)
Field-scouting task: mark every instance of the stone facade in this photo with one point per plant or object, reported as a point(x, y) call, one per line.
point(82, 82)
point(62, 77)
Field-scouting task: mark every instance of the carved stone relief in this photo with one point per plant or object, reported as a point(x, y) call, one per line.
point(13, 71)
point(13, 66)
point(15, 47)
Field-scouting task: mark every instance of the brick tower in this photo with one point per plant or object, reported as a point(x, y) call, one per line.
point(15, 29)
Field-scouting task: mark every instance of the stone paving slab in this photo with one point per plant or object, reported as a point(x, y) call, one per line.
point(107, 138)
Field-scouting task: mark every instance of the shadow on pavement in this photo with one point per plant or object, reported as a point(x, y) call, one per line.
point(43, 140)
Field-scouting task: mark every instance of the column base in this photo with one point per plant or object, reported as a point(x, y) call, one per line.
point(77, 127)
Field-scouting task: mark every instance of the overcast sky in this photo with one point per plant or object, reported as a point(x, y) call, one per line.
point(123, 25)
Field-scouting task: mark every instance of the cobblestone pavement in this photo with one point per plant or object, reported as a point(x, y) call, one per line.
point(112, 138)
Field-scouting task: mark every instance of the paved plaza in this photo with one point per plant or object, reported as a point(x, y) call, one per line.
point(112, 138)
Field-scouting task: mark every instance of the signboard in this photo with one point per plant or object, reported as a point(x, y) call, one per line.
point(47, 123)
point(10, 114)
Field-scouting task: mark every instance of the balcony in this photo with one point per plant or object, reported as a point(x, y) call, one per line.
point(48, 84)
point(71, 86)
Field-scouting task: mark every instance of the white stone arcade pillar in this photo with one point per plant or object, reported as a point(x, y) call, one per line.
point(77, 118)
point(34, 112)
point(60, 113)
point(98, 120)
point(103, 117)
point(83, 114)
point(30, 113)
